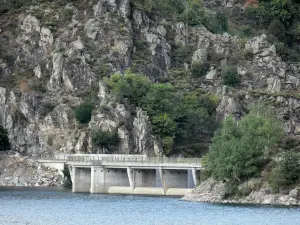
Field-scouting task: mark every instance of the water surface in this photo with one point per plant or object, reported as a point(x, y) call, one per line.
point(59, 207)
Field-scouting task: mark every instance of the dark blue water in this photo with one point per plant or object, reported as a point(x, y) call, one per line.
point(58, 207)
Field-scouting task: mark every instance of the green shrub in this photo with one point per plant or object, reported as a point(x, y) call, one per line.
point(286, 174)
point(168, 143)
point(199, 69)
point(281, 49)
point(277, 29)
point(83, 112)
point(230, 76)
point(222, 20)
point(163, 125)
point(145, 5)
point(131, 86)
point(106, 139)
point(217, 23)
point(181, 54)
point(194, 13)
point(4, 140)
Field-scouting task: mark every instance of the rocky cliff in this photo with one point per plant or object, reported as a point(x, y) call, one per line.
point(55, 54)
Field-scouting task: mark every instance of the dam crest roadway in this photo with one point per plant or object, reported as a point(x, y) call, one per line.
point(129, 174)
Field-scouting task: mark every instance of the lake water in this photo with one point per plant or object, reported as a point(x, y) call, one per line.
point(59, 207)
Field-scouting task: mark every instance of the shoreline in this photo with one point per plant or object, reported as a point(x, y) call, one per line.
point(211, 191)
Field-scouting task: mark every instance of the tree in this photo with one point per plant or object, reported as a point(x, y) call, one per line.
point(240, 150)
point(4, 140)
point(286, 174)
point(161, 98)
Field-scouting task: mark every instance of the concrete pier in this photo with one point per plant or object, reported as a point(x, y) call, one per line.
point(81, 179)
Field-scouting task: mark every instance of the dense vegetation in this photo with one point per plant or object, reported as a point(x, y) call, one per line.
point(176, 117)
point(246, 149)
point(4, 140)
point(191, 12)
point(281, 19)
point(240, 151)
point(286, 174)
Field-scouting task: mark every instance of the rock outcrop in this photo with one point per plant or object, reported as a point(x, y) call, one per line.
point(215, 192)
point(22, 171)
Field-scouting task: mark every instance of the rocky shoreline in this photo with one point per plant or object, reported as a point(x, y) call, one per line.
point(17, 170)
point(212, 191)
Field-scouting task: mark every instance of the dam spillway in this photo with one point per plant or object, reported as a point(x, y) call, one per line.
point(131, 174)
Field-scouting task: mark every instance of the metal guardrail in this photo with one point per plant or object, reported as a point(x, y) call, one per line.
point(124, 158)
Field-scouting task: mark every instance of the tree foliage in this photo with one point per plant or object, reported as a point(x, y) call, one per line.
point(281, 17)
point(240, 150)
point(4, 140)
point(286, 174)
point(175, 116)
point(83, 112)
point(131, 86)
point(106, 139)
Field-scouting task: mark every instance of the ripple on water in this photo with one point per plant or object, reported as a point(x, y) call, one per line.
point(60, 206)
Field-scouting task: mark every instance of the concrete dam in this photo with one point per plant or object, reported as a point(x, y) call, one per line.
point(130, 174)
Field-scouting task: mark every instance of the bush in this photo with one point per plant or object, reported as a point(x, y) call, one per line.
point(163, 125)
point(194, 13)
point(199, 69)
point(286, 174)
point(239, 151)
point(222, 20)
point(131, 86)
point(168, 143)
point(230, 76)
point(181, 54)
point(83, 112)
point(218, 23)
point(4, 140)
point(277, 29)
point(106, 139)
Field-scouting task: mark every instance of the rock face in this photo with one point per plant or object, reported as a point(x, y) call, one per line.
point(21, 171)
point(66, 65)
point(214, 192)
point(58, 57)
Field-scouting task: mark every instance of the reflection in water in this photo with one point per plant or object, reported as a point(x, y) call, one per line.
point(50, 206)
